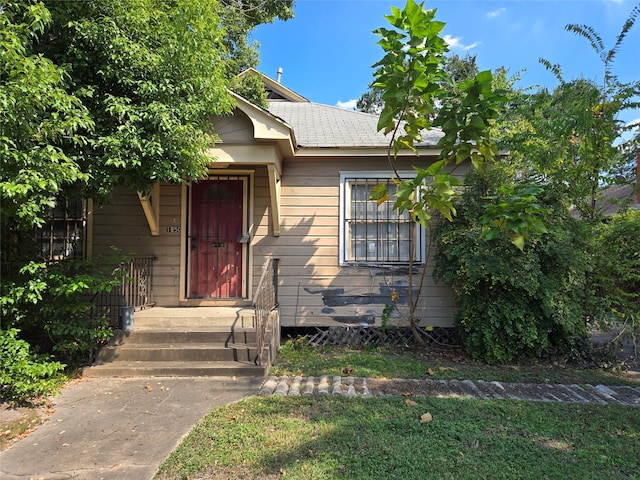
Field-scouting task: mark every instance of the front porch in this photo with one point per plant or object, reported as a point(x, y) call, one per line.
point(190, 341)
point(195, 341)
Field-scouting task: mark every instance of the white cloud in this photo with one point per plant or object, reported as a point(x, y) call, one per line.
point(496, 13)
point(349, 104)
point(456, 42)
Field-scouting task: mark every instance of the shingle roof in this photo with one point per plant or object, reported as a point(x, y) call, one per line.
point(611, 200)
point(324, 126)
point(614, 197)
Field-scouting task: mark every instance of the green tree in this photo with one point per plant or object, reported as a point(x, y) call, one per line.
point(239, 18)
point(151, 74)
point(412, 79)
point(41, 125)
point(587, 144)
point(565, 143)
point(457, 68)
point(616, 270)
point(512, 304)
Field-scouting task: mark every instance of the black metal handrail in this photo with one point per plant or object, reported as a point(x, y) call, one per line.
point(137, 287)
point(135, 291)
point(265, 301)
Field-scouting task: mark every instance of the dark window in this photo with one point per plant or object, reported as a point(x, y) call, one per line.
point(64, 235)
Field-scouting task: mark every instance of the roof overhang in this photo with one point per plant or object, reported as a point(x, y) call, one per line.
point(274, 140)
point(353, 152)
point(267, 128)
point(271, 84)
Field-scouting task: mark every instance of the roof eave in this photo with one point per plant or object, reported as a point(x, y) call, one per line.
point(364, 151)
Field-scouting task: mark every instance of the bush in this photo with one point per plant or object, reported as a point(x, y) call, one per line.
point(512, 303)
point(23, 375)
point(616, 271)
point(51, 304)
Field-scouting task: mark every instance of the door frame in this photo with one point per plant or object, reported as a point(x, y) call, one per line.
point(247, 176)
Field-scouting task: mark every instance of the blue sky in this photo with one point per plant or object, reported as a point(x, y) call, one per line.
point(327, 50)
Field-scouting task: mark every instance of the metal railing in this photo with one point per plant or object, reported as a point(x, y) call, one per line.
point(135, 291)
point(265, 301)
point(137, 287)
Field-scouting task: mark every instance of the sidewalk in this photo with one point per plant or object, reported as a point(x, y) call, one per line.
point(118, 428)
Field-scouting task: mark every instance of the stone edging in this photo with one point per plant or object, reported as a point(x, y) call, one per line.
point(363, 387)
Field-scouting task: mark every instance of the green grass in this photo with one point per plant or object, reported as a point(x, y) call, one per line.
point(441, 363)
point(331, 437)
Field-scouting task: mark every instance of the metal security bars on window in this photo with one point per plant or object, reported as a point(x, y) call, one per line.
point(63, 236)
point(376, 233)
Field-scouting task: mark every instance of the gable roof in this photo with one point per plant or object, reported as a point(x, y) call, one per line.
point(275, 90)
point(318, 126)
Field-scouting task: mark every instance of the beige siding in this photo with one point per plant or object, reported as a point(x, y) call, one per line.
point(121, 223)
point(313, 288)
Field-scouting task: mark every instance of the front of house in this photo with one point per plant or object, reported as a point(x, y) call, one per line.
point(290, 183)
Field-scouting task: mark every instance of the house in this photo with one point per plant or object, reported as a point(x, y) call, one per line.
point(289, 190)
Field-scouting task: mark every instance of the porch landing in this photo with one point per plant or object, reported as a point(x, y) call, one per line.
point(184, 341)
point(194, 317)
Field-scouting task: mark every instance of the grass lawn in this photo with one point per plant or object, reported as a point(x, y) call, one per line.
point(383, 438)
point(438, 363)
point(335, 437)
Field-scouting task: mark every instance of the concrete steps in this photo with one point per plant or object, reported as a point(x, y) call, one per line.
point(175, 369)
point(207, 341)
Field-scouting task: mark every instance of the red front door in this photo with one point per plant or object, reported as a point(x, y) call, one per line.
point(215, 239)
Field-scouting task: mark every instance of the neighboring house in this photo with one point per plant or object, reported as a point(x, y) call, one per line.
point(291, 183)
point(615, 198)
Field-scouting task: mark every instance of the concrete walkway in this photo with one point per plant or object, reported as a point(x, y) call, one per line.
point(118, 428)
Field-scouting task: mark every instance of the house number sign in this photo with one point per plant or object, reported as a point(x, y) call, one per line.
point(173, 229)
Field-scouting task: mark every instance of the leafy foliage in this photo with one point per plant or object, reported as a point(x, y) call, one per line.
point(250, 86)
point(573, 141)
point(151, 74)
point(97, 95)
point(418, 93)
point(50, 303)
point(239, 18)
point(23, 375)
point(564, 147)
point(41, 121)
point(512, 303)
point(616, 273)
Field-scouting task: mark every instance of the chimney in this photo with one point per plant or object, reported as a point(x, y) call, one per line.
point(279, 74)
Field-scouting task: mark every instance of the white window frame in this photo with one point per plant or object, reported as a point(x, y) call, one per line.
point(347, 178)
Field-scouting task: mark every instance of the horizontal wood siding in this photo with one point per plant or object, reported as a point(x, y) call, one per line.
point(121, 223)
point(313, 288)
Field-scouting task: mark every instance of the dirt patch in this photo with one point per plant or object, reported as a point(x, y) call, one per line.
point(18, 422)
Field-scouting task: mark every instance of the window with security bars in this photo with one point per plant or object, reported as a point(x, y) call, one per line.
point(374, 233)
point(63, 236)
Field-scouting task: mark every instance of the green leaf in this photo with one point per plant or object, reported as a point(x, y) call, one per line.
point(517, 239)
point(379, 193)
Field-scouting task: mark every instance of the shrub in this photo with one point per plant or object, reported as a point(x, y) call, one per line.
point(512, 303)
point(616, 271)
point(23, 375)
point(51, 304)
